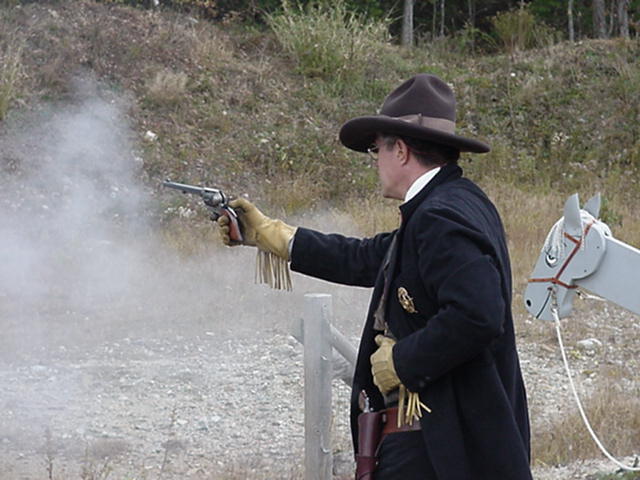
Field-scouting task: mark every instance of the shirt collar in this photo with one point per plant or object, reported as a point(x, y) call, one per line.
point(420, 183)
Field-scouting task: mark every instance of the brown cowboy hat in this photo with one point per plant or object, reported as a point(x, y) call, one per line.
point(423, 107)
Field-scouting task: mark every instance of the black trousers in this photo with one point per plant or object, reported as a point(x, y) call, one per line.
point(404, 456)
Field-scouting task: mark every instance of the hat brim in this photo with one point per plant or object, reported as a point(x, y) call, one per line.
point(359, 134)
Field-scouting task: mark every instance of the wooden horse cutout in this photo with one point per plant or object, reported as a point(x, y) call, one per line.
point(580, 251)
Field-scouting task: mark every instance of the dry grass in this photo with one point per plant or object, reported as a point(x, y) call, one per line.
point(213, 48)
point(615, 416)
point(92, 470)
point(627, 225)
point(120, 45)
point(527, 218)
point(242, 472)
point(240, 115)
point(167, 88)
point(518, 30)
point(190, 237)
point(10, 71)
point(373, 214)
point(105, 459)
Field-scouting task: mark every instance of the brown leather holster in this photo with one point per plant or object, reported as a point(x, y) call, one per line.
point(369, 437)
point(372, 428)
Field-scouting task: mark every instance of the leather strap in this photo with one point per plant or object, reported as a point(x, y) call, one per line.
point(379, 321)
point(430, 122)
point(390, 420)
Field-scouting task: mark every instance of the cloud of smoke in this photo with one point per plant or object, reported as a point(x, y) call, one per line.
point(70, 192)
point(87, 282)
point(80, 259)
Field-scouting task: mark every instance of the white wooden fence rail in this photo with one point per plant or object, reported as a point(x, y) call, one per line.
point(321, 365)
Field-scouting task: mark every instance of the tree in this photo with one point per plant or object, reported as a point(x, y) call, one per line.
point(599, 19)
point(572, 35)
point(407, 24)
point(623, 18)
point(433, 18)
point(471, 11)
point(472, 22)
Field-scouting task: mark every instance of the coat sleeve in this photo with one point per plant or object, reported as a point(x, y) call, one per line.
point(339, 259)
point(458, 269)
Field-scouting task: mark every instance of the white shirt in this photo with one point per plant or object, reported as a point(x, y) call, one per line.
point(420, 183)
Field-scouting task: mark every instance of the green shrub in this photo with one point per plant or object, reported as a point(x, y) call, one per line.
point(519, 30)
point(472, 39)
point(329, 41)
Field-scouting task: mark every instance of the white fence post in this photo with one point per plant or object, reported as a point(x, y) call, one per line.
point(318, 374)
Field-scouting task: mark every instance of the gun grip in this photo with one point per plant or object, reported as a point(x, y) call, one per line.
point(234, 226)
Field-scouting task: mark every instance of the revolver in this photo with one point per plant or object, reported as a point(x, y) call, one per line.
point(216, 201)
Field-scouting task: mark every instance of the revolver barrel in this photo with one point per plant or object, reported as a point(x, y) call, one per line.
point(211, 196)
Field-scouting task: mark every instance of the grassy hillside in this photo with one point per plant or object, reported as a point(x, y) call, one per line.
point(257, 111)
point(243, 109)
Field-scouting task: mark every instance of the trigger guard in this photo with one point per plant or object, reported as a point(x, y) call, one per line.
point(214, 215)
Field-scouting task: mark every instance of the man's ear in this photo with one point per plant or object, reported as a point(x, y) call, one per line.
point(402, 153)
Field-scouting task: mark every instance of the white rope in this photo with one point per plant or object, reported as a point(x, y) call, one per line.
point(554, 244)
point(556, 317)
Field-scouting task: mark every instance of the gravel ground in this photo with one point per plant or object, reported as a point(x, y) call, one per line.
point(183, 400)
point(165, 387)
point(156, 405)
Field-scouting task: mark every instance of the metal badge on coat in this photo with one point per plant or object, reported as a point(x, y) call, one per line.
point(406, 301)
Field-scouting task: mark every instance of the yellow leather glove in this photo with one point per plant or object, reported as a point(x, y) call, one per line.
point(382, 368)
point(258, 230)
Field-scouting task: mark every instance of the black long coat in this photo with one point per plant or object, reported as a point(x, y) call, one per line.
point(458, 349)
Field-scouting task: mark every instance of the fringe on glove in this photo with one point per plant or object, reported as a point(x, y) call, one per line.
point(409, 407)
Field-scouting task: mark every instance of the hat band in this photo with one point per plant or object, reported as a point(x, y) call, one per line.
point(430, 122)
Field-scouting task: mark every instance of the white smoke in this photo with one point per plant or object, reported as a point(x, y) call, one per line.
point(78, 252)
point(72, 193)
point(84, 270)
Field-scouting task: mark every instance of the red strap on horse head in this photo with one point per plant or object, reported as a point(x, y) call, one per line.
point(578, 243)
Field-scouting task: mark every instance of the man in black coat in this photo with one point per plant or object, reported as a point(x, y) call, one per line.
point(438, 351)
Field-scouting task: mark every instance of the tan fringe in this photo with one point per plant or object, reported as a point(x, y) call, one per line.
point(401, 400)
point(409, 407)
point(273, 270)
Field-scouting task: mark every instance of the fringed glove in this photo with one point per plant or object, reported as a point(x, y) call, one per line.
point(272, 237)
point(386, 379)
